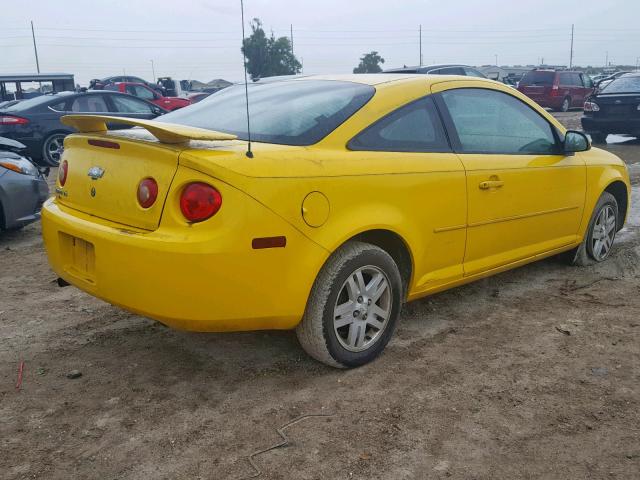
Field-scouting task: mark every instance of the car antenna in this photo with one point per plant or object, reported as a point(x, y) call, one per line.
point(246, 85)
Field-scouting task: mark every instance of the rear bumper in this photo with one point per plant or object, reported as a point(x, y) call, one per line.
point(604, 125)
point(21, 198)
point(212, 281)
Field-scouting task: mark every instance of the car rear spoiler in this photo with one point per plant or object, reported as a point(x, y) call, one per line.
point(164, 132)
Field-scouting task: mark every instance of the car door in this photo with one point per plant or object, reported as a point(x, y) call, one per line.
point(525, 197)
point(426, 180)
point(130, 107)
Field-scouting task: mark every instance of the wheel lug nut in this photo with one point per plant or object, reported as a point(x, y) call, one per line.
point(359, 299)
point(356, 313)
point(369, 302)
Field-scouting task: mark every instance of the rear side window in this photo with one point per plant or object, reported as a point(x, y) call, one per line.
point(488, 121)
point(126, 104)
point(413, 128)
point(89, 104)
point(448, 71)
point(538, 78)
point(472, 72)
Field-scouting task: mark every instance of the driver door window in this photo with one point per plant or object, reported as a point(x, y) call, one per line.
point(144, 93)
point(489, 121)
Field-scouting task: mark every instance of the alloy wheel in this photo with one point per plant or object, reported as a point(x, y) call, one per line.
point(53, 149)
point(362, 309)
point(604, 232)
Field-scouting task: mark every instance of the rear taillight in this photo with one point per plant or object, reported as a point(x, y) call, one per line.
point(199, 201)
point(62, 173)
point(11, 120)
point(591, 107)
point(147, 192)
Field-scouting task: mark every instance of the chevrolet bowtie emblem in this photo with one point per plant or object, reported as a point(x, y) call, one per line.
point(96, 172)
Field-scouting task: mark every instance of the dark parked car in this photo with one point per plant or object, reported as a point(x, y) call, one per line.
point(99, 84)
point(446, 69)
point(603, 82)
point(36, 122)
point(614, 109)
point(23, 187)
point(557, 89)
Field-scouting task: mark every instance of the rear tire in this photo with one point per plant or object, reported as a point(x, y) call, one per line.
point(566, 104)
point(602, 226)
point(52, 149)
point(353, 307)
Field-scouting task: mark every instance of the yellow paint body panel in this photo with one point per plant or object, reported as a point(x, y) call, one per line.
point(207, 276)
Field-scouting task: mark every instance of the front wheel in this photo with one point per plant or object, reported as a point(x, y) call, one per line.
point(52, 149)
point(353, 307)
point(598, 241)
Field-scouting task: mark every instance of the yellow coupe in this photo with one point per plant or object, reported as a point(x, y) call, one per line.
point(358, 193)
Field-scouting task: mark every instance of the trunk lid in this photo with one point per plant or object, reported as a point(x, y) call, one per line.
point(620, 105)
point(103, 180)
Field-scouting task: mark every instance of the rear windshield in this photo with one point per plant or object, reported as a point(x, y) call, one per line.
point(289, 112)
point(538, 78)
point(30, 103)
point(623, 85)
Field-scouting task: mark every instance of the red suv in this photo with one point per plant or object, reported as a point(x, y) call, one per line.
point(142, 91)
point(557, 89)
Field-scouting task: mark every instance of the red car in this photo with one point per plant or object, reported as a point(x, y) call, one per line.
point(142, 91)
point(557, 89)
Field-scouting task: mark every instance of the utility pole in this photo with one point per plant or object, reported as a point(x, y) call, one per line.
point(292, 54)
point(571, 54)
point(35, 47)
point(606, 61)
point(153, 71)
point(420, 44)
point(496, 55)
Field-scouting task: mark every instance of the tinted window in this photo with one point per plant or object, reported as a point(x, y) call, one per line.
point(538, 78)
point(472, 72)
point(30, 103)
point(290, 112)
point(488, 121)
point(125, 104)
point(623, 85)
point(448, 71)
point(142, 92)
point(89, 104)
point(413, 128)
point(58, 107)
point(565, 78)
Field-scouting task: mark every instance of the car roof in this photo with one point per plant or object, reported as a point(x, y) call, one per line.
point(426, 68)
point(374, 79)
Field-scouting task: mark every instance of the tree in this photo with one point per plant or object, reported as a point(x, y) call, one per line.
point(369, 63)
point(268, 56)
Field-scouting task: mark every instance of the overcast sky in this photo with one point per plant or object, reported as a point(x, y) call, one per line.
point(200, 39)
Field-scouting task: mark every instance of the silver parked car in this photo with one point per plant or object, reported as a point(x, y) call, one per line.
point(23, 187)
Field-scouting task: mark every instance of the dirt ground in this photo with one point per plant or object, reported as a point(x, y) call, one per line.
point(534, 373)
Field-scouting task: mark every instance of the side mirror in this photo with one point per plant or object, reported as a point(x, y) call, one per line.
point(575, 141)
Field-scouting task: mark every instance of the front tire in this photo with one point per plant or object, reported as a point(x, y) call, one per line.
point(52, 149)
point(598, 241)
point(353, 307)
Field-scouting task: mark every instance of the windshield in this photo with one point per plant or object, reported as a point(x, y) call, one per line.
point(623, 85)
point(538, 78)
point(289, 112)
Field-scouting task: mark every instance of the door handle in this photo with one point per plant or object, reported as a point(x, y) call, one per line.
point(491, 184)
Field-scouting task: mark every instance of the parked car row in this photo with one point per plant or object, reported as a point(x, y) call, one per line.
point(36, 122)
